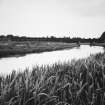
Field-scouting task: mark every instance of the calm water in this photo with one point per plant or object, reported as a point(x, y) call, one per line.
point(20, 63)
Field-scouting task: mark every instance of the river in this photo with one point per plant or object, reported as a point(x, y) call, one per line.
point(30, 60)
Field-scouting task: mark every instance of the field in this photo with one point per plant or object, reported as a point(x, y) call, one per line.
point(79, 82)
point(10, 48)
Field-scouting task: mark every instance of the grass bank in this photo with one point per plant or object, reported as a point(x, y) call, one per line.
point(99, 44)
point(79, 82)
point(20, 48)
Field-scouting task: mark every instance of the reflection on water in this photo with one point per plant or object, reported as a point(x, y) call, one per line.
point(13, 63)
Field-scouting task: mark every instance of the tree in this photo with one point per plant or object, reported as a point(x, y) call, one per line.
point(102, 38)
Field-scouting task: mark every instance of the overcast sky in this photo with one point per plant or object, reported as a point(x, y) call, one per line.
point(81, 18)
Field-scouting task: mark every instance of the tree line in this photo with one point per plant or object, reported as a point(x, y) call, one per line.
point(54, 39)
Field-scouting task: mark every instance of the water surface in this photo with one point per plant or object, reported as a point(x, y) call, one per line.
point(20, 63)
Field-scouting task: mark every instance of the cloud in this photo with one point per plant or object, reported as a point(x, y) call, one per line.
point(87, 8)
point(52, 16)
point(94, 9)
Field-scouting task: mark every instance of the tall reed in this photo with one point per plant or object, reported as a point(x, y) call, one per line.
point(79, 82)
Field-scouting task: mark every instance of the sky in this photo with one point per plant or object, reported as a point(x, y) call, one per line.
point(70, 18)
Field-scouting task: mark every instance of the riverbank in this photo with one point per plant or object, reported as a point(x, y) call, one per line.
point(99, 44)
point(21, 48)
point(94, 44)
point(72, 83)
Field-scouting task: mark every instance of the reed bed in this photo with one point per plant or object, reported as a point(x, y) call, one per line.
point(79, 82)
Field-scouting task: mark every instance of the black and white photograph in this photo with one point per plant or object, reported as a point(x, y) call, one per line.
point(52, 52)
